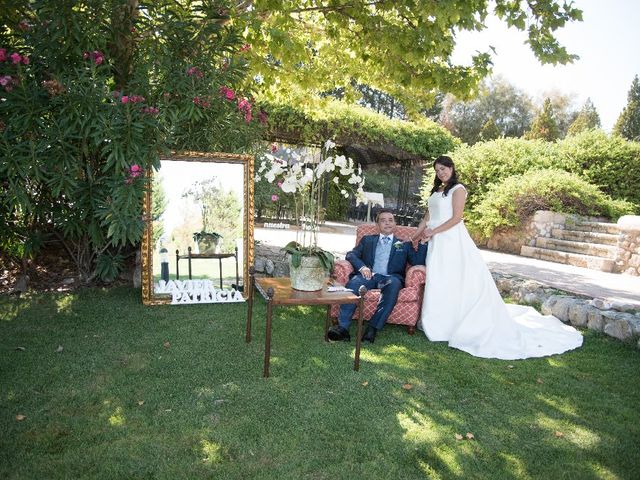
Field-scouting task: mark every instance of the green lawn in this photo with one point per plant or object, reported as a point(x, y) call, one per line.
point(119, 402)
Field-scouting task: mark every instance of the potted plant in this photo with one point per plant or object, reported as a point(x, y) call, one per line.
point(207, 241)
point(306, 178)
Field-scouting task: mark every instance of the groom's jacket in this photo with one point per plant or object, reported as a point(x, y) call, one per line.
point(401, 253)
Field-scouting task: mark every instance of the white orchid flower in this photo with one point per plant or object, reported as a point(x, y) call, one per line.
point(328, 145)
point(341, 161)
point(289, 185)
point(354, 179)
point(336, 180)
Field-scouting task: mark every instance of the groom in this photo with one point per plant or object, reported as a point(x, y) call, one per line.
point(380, 262)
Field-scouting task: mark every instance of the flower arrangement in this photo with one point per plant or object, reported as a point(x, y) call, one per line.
point(306, 178)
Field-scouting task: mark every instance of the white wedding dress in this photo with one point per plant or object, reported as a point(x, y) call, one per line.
point(462, 304)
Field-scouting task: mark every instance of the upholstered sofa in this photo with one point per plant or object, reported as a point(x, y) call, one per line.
point(407, 309)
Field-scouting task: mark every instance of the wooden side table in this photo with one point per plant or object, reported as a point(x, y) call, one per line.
point(278, 292)
point(193, 256)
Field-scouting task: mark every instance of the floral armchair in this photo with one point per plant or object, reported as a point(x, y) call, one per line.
point(407, 309)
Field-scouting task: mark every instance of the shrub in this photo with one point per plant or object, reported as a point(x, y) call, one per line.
point(607, 161)
point(484, 164)
point(510, 202)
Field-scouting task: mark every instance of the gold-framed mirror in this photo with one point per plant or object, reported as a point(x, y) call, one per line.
point(198, 214)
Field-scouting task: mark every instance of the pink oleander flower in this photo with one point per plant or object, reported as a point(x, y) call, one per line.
point(274, 148)
point(135, 170)
point(227, 93)
point(279, 184)
point(244, 105)
point(25, 60)
point(263, 117)
point(6, 80)
point(247, 117)
point(201, 102)
point(136, 99)
point(124, 99)
point(274, 198)
point(96, 56)
point(15, 57)
point(3, 54)
point(194, 71)
point(245, 47)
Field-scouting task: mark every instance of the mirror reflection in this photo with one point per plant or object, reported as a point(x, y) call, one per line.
point(198, 230)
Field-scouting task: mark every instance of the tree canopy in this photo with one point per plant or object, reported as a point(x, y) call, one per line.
point(628, 123)
point(500, 109)
point(544, 126)
point(587, 119)
point(402, 47)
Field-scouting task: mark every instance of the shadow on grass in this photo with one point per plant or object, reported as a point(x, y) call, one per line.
point(175, 392)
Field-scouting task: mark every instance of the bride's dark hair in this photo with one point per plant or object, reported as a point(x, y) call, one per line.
point(453, 181)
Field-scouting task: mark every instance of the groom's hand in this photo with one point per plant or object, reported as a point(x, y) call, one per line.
point(366, 272)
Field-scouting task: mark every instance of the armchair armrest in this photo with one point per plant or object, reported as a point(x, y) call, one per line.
point(341, 271)
point(416, 276)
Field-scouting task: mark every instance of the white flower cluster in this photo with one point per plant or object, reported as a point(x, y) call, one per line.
point(300, 174)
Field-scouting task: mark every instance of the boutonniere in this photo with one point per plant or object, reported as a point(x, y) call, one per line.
point(398, 245)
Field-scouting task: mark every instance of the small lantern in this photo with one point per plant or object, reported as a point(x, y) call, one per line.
point(164, 264)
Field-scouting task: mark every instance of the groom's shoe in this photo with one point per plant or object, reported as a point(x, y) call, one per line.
point(339, 334)
point(369, 334)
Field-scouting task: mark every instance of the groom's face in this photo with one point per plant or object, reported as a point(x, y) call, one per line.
point(386, 223)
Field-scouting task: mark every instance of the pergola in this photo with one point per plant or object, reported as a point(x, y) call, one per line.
point(363, 151)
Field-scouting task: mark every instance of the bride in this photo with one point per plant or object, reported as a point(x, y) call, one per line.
point(461, 303)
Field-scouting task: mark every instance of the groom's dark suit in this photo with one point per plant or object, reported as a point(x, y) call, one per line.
point(364, 255)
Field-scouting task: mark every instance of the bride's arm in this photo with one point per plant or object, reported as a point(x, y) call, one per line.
point(421, 226)
point(459, 198)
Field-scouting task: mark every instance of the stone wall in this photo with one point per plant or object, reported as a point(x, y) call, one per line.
point(540, 225)
point(628, 255)
point(543, 222)
point(620, 321)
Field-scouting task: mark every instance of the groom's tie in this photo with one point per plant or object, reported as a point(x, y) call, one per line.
point(382, 255)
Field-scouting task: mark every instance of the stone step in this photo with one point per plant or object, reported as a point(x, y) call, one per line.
point(575, 259)
point(593, 249)
point(600, 227)
point(582, 236)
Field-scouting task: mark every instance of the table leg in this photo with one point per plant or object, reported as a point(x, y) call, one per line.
point(189, 252)
point(326, 324)
point(362, 291)
point(177, 265)
point(220, 270)
point(252, 273)
point(267, 340)
point(237, 273)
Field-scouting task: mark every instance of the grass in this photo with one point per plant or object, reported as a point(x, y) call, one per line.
point(119, 402)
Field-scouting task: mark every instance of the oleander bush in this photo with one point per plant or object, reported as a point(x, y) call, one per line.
point(90, 95)
point(511, 202)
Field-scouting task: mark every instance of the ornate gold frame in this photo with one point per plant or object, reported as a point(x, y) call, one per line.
point(148, 297)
